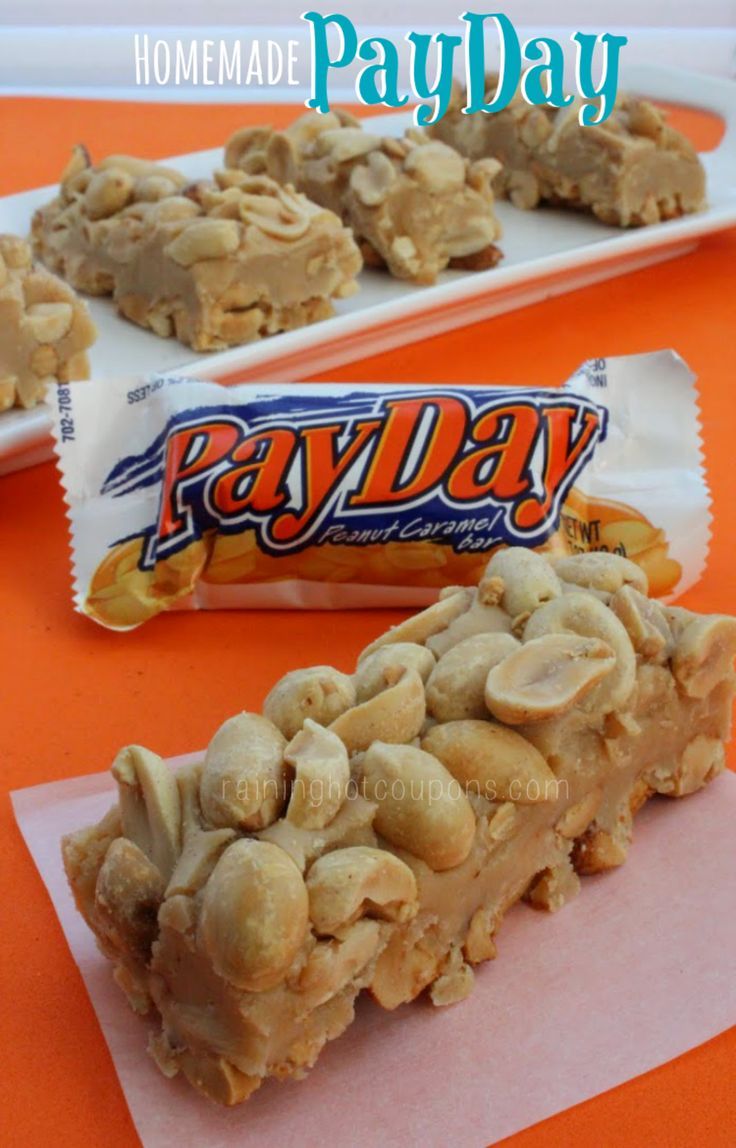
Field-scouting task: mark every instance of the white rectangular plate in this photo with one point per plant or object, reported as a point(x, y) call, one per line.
point(546, 253)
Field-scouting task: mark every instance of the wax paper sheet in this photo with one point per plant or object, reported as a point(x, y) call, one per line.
point(635, 971)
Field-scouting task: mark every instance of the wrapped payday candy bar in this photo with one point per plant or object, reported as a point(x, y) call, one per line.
point(191, 495)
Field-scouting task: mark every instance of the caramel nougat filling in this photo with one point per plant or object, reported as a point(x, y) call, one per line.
point(414, 205)
point(632, 169)
point(370, 830)
point(216, 263)
point(45, 330)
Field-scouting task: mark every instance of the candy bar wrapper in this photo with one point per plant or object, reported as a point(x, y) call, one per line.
point(191, 495)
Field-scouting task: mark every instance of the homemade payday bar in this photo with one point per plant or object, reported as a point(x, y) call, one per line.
point(45, 330)
point(91, 226)
point(216, 264)
point(415, 206)
point(631, 170)
point(370, 830)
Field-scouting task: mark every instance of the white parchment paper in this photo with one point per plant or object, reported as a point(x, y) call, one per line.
point(635, 971)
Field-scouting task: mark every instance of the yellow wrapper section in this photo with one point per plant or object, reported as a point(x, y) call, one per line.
point(122, 595)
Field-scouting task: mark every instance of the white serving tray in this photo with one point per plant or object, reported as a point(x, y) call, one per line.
point(546, 253)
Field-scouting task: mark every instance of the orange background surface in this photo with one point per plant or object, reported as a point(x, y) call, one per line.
point(72, 693)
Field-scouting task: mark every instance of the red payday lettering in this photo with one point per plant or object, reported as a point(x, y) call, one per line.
point(517, 454)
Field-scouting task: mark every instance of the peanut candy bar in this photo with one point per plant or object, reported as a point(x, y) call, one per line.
point(631, 170)
point(89, 229)
point(217, 264)
point(369, 831)
point(415, 206)
point(45, 329)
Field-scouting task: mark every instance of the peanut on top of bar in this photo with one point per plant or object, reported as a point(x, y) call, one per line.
point(45, 330)
point(415, 205)
point(216, 263)
point(633, 169)
point(370, 830)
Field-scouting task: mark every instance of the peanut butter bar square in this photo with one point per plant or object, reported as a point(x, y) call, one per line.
point(92, 225)
point(216, 263)
point(415, 206)
point(632, 169)
point(45, 330)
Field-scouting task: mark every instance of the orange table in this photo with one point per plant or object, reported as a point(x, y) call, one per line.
point(72, 693)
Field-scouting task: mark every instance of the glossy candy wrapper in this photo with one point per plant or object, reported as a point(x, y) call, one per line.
point(191, 495)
